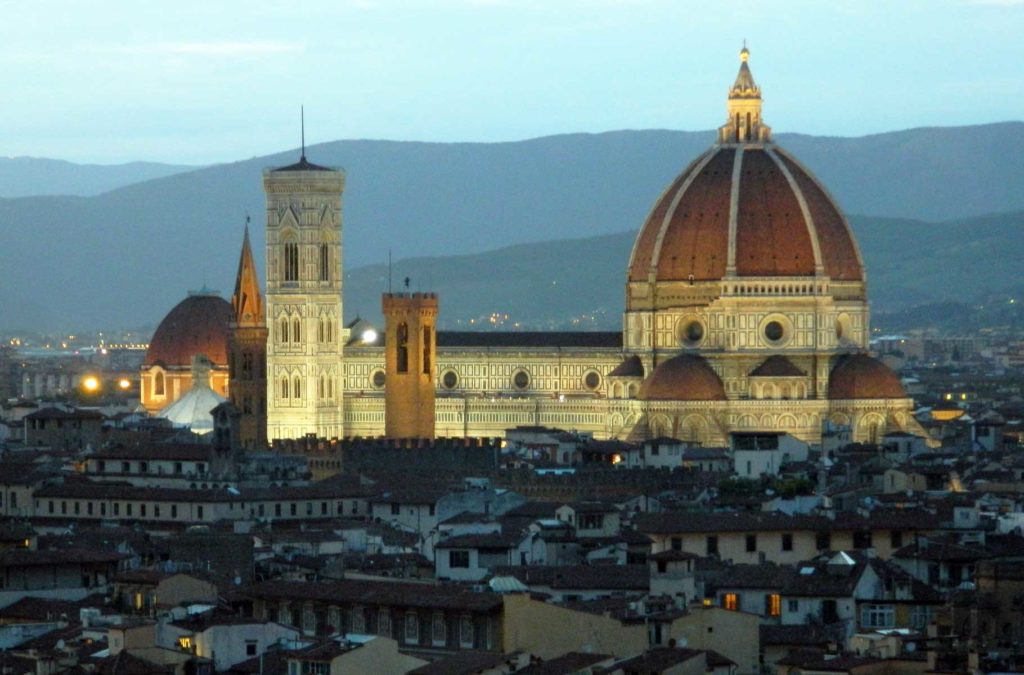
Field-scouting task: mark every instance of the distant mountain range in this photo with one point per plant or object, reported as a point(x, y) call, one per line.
point(127, 256)
point(581, 282)
point(30, 176)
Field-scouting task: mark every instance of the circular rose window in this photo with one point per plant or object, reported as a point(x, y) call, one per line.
point(521, 380)
point(774, 331)
point(449, 380)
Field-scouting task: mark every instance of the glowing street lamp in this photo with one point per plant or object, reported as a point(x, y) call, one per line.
point(124, 384)
point(91, 383)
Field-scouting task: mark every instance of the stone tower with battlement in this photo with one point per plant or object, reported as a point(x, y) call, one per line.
point(247, 352)
point(410, 347)
point(304, 345)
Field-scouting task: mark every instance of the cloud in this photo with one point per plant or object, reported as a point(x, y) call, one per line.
point(226, 49)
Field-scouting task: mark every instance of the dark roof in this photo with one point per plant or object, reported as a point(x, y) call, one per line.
point(581, 577)
point(488, 540)
point(658, 660)
point(632, 366)
point(19, 557)
point(566, 663)
point(302, 165)
point(602, 339)
point(777, 366)
point(762, 521)
point(157, 451)
point(466, 662)
point(59, 414)
point(385, 593)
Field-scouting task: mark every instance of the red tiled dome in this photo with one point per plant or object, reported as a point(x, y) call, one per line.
point(781, 214)
point(197, 325)
point(861, 376)
point(686, 377)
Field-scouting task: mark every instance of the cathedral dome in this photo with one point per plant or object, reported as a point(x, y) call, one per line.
point(197, 325)
point(686, 377)
point(861, 376)
point(745, 208)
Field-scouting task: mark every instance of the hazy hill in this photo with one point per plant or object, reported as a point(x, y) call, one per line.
point(125, 257)
point(27, 176)
point(547, 285)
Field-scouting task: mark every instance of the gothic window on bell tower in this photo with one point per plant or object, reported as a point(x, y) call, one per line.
point(297, 387)
point(291, 261)
point(325, 256)
point(283, 331)
point(296, 331)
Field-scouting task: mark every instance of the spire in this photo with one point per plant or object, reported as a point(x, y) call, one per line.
point(247, 302)
point(744, 108)
point(302, 124)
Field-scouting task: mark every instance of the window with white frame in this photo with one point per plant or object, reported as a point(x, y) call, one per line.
point(308, 620)
point(412, 627)
point(466, 637)
point(438, 630)
point(357, 620)
point(877, 616)
point(334, 618)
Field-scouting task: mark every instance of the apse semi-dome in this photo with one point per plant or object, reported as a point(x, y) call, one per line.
point(199, 324)
point(686, 377)
point(745, 208)
point(859, 376)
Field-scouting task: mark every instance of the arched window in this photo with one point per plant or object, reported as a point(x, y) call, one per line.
point(284, 387)
point(297, 387)
point(297, 330)
point(283, 332)
point(158, 384)
point(291, 261)
point(325, 257)
point(330, 387)
point(320, 387)
point(330, 329)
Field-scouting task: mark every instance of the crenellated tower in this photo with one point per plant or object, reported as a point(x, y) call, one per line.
point(410, 344)
point(248, 351)
point(304, 348)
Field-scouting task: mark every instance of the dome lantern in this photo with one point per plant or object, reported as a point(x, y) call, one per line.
point(743, 124)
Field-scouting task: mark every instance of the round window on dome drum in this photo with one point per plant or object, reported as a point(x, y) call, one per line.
point(521, 380)
point(693, 332)
point(774, 331)
point(377, 379)
point(592, 380)
point(450, 379)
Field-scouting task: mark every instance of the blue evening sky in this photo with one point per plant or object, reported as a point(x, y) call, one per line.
point(219, 80)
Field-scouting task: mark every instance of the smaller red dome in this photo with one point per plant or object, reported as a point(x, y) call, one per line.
point(199, 324)
point(686, 377)
point(861, 376)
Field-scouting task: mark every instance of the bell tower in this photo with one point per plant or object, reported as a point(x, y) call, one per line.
point(248, 351)
point(304, 346)
point(410, 345)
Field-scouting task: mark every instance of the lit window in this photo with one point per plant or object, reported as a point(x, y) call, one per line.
point(731, 601)
point(773, 604)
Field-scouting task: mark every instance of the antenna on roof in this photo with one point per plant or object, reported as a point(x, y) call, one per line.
point(302, 122)
point(389, 271)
